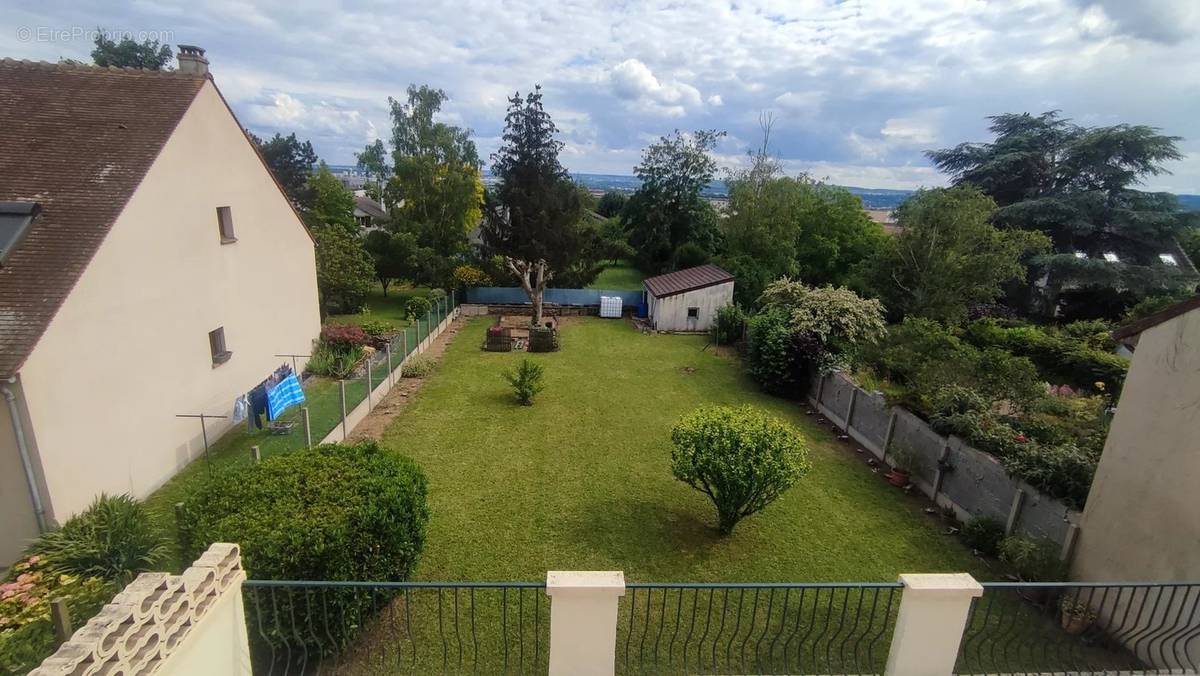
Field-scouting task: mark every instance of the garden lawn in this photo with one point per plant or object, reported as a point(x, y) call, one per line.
point(389, 308)
point(582, 481)
point(620, 277)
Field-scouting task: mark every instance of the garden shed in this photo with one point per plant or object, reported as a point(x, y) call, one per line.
point(687, 300)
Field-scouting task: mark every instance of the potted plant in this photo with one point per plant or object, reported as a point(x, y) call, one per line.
point(1032, 560)
point(902, 461)
point(1077, 616)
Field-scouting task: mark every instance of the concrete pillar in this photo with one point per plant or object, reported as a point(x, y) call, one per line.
point(930, 624)
point(583, 621)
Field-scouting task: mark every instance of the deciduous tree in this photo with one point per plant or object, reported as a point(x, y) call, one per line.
point(668, 209)
point(948, 255)
point(128, 53)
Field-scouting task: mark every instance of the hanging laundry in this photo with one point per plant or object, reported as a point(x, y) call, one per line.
point(241, 409)
point(258, 404)
point(283, 395)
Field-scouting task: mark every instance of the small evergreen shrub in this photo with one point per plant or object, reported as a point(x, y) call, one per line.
point(729, 324)
point(113, 539)
point(527, 381)
point(1032, 559)
point(769, 356)
point(741, 458)
point(417, 367)
point(376, 328)
point(333, 512)
point(418, 307)
point(983, 534)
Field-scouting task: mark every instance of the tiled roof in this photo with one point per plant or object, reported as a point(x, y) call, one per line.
point(369, 207)
point(689, 279)
point(1135, 328)
point(77, 140)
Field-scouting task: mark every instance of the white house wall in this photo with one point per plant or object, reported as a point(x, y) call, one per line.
point(670, 312)
point(129, 349)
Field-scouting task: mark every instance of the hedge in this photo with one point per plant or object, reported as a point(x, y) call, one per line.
point(333, 512)
point(1075, 355)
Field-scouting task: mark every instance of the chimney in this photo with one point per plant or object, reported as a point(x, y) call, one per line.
point(191, 60)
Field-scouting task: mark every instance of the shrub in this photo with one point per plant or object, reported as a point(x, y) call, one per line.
point(983, 534)
point(112, 539)
point(1079, 354)
point(330, 362)
point(333, 512)
point(468, 276)
point(377, 328)
point(1064, 471)
point(417, 367)
point(26, 631)
point(344, 337)
point(1033, 560)
point(436, 294)
point(417, 307)
point(769, 356)
point(527, 381)
point(741, 458)
point(729, 325)
point(840, 318)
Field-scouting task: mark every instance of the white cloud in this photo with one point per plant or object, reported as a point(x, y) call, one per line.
point(852, 84)
point(633, 81)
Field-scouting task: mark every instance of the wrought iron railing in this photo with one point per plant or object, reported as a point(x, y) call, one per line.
point(756, 628)
point(397, 627)
point(1082, 628)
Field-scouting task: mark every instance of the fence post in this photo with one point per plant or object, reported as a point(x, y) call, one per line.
point(417, 337)
point(60, 617)
point(255, 455)
point(583, 621)
point(307, 427)
point(1068, 545)
point(941, 469)
point(887, 436)
point(929, 627)
point(850, 407)
point(1014, 511)
point(369, 384)
point(342, 397)
point(820, 388)
point(388, 348)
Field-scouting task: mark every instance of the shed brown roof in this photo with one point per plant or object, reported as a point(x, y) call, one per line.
point(689, 279)
point(77, 140)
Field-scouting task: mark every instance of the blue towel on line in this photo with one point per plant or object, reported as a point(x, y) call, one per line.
point(283, 395)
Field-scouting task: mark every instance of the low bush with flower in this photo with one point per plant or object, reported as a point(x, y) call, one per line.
point(26, 630)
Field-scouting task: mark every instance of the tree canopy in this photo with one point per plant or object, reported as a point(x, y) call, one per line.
point(436, 173)
point(948, 255)
point(291, 161)
point(127, 53)
point(1076, 185)
point(780, 226)
point(332, 203)
point(668, 210)
point(533, 219)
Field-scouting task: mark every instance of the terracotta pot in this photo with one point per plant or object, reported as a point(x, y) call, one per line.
point(898, 477)
point(1075, 624)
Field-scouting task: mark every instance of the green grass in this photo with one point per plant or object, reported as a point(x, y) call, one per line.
point(389, 308)
point(620, 277)
point(581, 480)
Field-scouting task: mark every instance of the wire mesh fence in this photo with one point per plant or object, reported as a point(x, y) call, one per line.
point(1082, 628)
point(756, 628)
point(397, 627)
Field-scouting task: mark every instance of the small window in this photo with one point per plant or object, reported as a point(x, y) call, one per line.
point(216, 345)
point(1080, 255)
point(1111, 257)
point(225, 223)
point(1168, 259)
point(693, 313)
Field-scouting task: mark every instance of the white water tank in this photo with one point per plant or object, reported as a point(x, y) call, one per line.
point(610, 307)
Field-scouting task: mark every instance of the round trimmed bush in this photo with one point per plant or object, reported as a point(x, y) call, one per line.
point(418, 307)
point(741, 458)
point(333, 512)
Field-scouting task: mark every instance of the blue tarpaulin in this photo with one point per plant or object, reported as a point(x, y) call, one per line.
point(512, 295)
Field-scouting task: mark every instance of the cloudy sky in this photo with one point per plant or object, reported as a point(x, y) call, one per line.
point(858, 88)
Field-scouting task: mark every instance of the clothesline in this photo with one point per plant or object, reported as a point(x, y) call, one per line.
point(271, 397)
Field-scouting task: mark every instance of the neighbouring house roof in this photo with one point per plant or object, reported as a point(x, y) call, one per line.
point(77, 141)
point(689, 279)
point(369, 207)
point(1133, 329)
